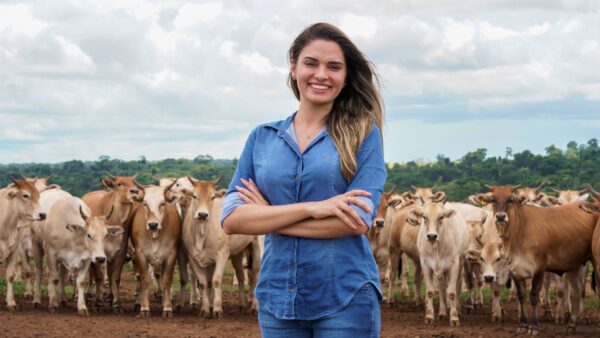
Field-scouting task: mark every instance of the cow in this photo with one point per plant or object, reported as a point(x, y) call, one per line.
point(442, 242)
point(209, 248)
point(155, 234)
point(568, 196)
point(123, 195)
point(541, 239)
point(72, 240)
point(47, 199)
point(20, 204)
point(532, 196)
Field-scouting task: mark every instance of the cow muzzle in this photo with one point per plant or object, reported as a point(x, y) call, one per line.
point(41, 216)
point(501, 218)
point(379, 223)
point(201, 215)
point(488, 278)
point(432, 237)
point(153, 226)
point(100, 259)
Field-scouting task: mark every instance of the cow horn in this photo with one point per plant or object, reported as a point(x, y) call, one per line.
point(110, 213)
point(137, 184)
point(111, 176)
point(23, 176)
point(413, 187)
point(556, 190)
point(583, 190)
point(134, 176)
point(592, 191)
point(489, 186)
point(49, 177)
point(516, 187)
point(81, 213)
point(218, 180)
point(541, 185)
point(13, 179)
point(392, 189)
point(170, 185)
point(190, 179)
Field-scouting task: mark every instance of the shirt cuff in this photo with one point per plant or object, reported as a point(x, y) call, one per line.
point(231, 201)
point(367, 217)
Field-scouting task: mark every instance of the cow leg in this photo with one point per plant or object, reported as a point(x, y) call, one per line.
point(114, 272)
point(195, 293)
point(38, 253)
point(393, 264)
point(62, 276)
point(53, 277)
point(562, 305)
point(253, 276)
point(519, 284)
point(182, 264)
point(142, 299)
point(536, 285)
point(453, 292)
point(429, 310)
point(496, 305)
point(418, 281)
point(166, 281)
point(238, 267)
point(82, 281)
point(468, 275)
point(574, 280)
point(216, 280)
point(404, 276)
point(11, 274)
point(583, 312)
point(545, 297)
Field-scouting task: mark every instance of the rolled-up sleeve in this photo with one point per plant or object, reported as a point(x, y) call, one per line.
point(370, 174)
point(245, 170)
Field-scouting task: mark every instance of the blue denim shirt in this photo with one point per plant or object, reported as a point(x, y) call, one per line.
point(303, 278)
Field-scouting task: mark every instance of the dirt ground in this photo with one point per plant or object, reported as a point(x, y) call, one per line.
point(402, 321)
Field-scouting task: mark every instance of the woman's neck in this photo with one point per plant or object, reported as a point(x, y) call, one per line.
point(311, 115)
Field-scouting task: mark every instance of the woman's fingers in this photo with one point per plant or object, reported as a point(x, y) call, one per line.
point(348, 210)
point(247, 193)
point(360, 203)
point(357, 192)
point(253, 188)
point(343, 216)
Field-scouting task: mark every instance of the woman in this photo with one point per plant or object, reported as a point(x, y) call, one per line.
point(311, 183)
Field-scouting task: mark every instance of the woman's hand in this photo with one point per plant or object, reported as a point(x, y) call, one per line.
point(251, 194)
point(339, 206)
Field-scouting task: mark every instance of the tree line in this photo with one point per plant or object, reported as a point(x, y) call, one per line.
point(569, 168)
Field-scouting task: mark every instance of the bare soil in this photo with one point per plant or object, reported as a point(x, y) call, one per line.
point(402, 321)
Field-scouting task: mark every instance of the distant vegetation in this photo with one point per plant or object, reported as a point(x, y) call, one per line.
point(570, 168)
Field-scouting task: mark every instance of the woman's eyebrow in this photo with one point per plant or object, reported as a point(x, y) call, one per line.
point(337, 63)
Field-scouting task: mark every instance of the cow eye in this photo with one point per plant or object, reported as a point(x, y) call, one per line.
point(162, 204)
point(89, 236)
point(498, 259)
point(25, 196)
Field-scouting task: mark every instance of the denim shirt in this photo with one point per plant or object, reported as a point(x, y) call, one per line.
point(304, 278)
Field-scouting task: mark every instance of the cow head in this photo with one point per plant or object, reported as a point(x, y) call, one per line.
point(494, 264)
point(501, 197)
point(93, 231)
point(26, 199)
point(594, 194)
point(475, 238)
point(568, 196)
point(424, 195)
point(155, 203)
point(431, 216)
point(127, 188)
point(530, 195)
point(202, 197)
point(382, 208)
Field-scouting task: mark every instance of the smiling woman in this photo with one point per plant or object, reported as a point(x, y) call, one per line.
point(310, 183)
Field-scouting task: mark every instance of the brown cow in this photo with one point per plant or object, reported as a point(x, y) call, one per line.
point(155, 234)
point(538, 240)
point(123, 195)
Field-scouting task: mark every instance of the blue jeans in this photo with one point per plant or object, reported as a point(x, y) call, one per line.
point(360, 318)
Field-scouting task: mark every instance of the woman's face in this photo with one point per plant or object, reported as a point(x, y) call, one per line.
point(320, 72)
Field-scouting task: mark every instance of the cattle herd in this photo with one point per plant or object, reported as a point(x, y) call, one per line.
point(508, 237)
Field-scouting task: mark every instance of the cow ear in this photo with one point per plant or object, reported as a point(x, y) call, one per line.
point(438, 196)
point(449, 213)
point(107, 183)
point(414, 217)
point(584, 197)
point(12, 194)
point(481, 199)
point(114, 230)
point(553, 200)
point(540, 197)
point(74, 228)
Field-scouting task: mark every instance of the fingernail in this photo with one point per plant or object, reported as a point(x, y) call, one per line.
point(237, 187)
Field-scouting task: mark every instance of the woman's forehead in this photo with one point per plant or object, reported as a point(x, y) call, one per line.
point(323, 49)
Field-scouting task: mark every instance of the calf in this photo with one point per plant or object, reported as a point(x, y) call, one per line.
point(19, 205)
point(72, 240)
point(442, 242)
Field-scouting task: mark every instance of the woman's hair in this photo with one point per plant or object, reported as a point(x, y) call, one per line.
point(357, 107)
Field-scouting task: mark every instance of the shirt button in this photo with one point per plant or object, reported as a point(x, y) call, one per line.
point(292, 290)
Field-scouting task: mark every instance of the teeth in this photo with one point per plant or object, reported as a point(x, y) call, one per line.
point(319, 86)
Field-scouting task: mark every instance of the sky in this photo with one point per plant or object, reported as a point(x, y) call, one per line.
point(176, 79)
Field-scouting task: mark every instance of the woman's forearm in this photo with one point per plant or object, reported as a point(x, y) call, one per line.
point(255, 219)
point(330, 227)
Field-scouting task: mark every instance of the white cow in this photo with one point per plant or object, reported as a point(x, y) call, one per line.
point(442, 242)
point(19, 205)
point(72, 240)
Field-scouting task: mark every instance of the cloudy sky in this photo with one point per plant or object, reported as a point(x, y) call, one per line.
point(175, 79)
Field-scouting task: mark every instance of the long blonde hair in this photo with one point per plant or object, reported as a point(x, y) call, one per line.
point(357, 107)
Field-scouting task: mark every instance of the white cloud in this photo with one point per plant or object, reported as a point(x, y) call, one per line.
point(191, 15)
